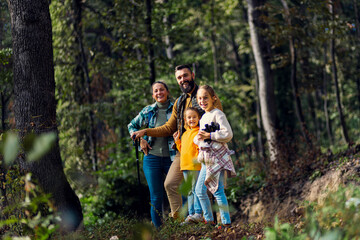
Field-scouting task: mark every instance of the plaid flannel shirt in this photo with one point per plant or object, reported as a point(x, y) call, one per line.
point(147, 118)
point(216, 157)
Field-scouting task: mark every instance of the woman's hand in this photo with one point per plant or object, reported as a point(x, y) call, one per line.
point(203, 135)
point(144, 145)
point(176, 135)
point(138, 134)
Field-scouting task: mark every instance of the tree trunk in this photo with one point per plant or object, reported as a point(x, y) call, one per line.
point(151, 58)
point(312, 106)
point(326, 110)
point(358, 44)
point(84, 72)
point(213, 43)
point(35, 104)
point(4, 201)
point(235, 50)
point(258, 124)
point(293, 78)
point(335, 79)
point(168, 43)
point(3, 112)
point(266, 82)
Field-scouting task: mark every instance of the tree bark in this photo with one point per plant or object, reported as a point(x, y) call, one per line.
point(266, 82)
point(335, 79)
point(167, 41)
point(3, 112)
point(84, 72)
point(358, 44)
point(326, 110)
point(151, 57)
point(293, 78)
point(312, 102)
point(213, 43)
point(258, 124)
point(4, 201)
point(35, 104)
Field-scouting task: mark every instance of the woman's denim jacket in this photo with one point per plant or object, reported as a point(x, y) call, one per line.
point(147, 118)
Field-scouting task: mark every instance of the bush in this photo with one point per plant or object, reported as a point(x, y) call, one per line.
point(117, 192)
point(334, 218)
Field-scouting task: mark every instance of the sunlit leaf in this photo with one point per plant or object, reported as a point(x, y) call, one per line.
point(28, 142)
point(11, 148)
point(42, 144)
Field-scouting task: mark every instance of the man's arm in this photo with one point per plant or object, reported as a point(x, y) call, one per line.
point(168, 128)
point(163, 131)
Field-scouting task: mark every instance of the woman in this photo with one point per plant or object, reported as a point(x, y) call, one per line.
point(158, 151)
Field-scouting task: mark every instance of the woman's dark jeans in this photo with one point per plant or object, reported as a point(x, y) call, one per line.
point(155, 169)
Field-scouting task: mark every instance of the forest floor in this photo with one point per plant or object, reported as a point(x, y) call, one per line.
point(284, 198)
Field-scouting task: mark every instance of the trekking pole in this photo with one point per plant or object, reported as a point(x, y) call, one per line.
point(137, 143)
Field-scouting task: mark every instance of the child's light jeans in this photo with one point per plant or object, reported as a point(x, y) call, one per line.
point(201, 192)
point(192, 199)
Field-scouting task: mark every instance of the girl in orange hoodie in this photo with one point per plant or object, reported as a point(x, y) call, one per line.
point(188, 161)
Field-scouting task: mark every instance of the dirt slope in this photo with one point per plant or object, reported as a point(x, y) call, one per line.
point(284, 198)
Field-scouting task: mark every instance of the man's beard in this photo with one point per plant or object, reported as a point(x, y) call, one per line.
point(189, 88)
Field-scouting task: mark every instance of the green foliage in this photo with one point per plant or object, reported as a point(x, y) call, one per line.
point(34, 146)
point(331, 218)
point(336, 214)
point(249, 179)
point(117, 193)
point(315, 174)
point(282, 232)
point(37, 219)
point(29, 212)
point(5, 56)
point(9, 147)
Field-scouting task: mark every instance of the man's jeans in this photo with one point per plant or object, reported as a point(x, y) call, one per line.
point(201, 192)
point(155, 169)
point(192, 199)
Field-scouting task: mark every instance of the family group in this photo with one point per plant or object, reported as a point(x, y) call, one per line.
point(185, 140)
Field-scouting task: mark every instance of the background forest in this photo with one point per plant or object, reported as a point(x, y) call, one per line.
point(289, 69)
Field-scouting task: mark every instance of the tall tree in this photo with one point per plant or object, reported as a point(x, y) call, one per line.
point(150, 45)
point(213, 41)
point(326, 110)
point(82, 70)
point(293, 77)
point(168, 44)
point(266, 82)
point(35, 104)
point(335, 76)
point(357, 26)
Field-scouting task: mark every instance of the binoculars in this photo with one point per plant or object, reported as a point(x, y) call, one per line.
point(211, 128)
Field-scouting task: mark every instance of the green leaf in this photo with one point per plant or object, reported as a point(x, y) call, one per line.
point(42, 144)
point(28, 142)
point(11, 148)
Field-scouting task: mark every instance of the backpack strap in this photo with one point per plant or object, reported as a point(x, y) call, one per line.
point(181, 108)
point(180, 113)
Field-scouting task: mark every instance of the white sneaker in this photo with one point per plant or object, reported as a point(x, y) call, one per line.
point(196, 218)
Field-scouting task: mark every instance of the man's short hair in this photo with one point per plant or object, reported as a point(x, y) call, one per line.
point(182, 66)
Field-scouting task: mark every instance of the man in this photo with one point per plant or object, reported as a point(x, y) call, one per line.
point(185, 78)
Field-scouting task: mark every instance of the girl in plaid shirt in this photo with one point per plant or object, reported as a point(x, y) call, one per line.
point(214, 155)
